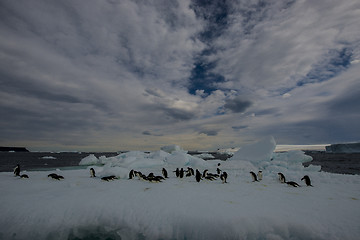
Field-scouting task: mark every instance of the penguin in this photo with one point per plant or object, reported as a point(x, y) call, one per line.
point(294, 184)
point(164, 173)
point(223, 177)
point(181, 173)
point(218, 171)
point(254, 178)
point(55, 176)
point(17, 170)
point(108, 178)
point(259, 175)
point(177, 172)
point(131, 174)
point(307, 180)
point(92, 172)
point(204, 173)
point(209, 177)
point(24, 176)
point(52, 175)
point(198, 176)
point(190, 172)
point(281, 177)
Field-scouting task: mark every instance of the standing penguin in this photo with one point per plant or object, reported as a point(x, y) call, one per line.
point(198, 176)
point(181, 173)
point(281, 177)
point(254, 178)
point(92, 172)
point(259, 175)
point(17, 170)
point(131, 174)
point(177, 172)
point(223, 177)
point(164, 173)
point(307, 180)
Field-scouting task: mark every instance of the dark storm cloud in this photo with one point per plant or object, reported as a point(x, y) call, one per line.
point(236, 128)
point(148, 133)
point(237, 105)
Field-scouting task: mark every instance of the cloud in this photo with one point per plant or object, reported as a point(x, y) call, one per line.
point(109, 73)
point(237, 105)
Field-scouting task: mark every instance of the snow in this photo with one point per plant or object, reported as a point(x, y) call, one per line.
point(80, 207)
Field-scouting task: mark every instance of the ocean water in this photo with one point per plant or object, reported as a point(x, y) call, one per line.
point(343, 163)
point(31, 161)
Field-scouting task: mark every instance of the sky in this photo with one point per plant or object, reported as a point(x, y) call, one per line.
point(140, 74)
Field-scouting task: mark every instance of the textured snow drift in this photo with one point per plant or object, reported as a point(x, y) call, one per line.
point(80, 207)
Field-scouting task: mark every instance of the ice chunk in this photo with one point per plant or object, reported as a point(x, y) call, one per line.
point(90, 160)
point(172, 148)
point(257, 152)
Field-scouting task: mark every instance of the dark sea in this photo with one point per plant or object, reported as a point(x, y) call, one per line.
point(343, 163)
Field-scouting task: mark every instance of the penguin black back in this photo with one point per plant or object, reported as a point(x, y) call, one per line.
point(164, 172)
point(17, 170)
point(307, 180)
point(281, 177)
point(254, 178)
point(92, 172)
point(198, 176)
point(181, 173)
point(223, 177)
point(294, 184)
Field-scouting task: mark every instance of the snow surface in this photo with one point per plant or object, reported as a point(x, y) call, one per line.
point(80, 207)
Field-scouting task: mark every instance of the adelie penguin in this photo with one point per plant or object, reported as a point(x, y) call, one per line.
point(294, 184)
point(198, 176)
point(17, 170)
point(181, 173)
point(131, 174)
point(177, 172)
point(223, 177)
point(92, 172)
point(109, 178)
point(254, 177)
point(281, 177)
point(24, 176)
point(307, 180)
point(259, 175)
point(164, 173)
point(55, 176)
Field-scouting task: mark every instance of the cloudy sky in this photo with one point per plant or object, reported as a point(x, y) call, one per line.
point(139, 74)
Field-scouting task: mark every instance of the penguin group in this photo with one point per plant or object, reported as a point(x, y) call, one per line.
point(179, 173)
point(256, 178)
point(150, 177)
point(282, 179)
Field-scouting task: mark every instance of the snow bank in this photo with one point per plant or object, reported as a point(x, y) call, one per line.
point(80, 207)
